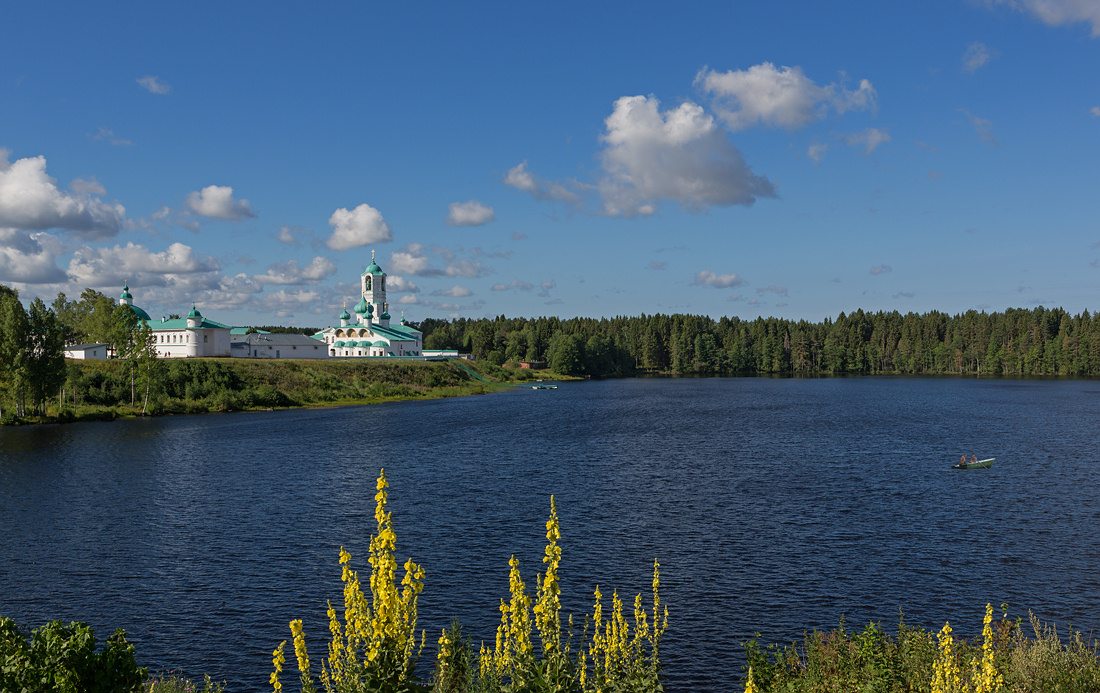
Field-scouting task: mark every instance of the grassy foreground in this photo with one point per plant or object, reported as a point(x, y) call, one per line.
point(103, 390)
point(1008, 656)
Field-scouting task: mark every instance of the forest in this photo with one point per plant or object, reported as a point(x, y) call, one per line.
point(1017, 342)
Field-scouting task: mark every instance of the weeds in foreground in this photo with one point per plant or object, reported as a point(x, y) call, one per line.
point(1006, 660)
point(374, 648)
point(170, 682)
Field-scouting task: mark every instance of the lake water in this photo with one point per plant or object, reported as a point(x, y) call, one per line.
point(774, 506)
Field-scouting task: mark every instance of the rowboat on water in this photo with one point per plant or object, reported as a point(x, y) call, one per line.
point(980, 464)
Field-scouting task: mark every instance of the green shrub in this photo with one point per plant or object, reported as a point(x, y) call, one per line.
point(58, 658)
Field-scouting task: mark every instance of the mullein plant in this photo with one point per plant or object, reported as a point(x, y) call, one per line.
point(615, 660)
point(375, 647)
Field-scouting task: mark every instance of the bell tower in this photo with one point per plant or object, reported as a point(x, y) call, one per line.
point(374, 287)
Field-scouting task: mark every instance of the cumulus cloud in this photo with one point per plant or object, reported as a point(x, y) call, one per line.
point(983, 127)
point(869, 139)
point(286, 235)
point(414, 259)
point(679, 155)
point(31, 201)
point(778, 97)
point(719, 281)
point(216, 202)
point(109, 266)
point(359, 227)
point(977, 55)
point(29, 257)
point(471, 213)
point(520, 178)
point(88, 187)
point(153, 85)
point(454, 292)
point(290, 273)
point(1058, 12)
point(396, 284)
point(515, 284)
point(882, 269)
point(1095, 111)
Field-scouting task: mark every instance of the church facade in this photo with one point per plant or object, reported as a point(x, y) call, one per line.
point(370, 332)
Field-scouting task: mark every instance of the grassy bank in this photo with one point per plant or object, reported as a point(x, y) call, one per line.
point(102, 390)
point(1004, 656)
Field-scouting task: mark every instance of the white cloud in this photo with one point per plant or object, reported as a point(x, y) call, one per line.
point(286, 235)
point(29, 258)
point(289, 272)
point(983, 127)
point(514, 284)
point(869, 139)
point(521, 178)
point(1058, 12)
point(882, 269)
point(216, 202)
point(719, 281)
point(396, 284)
point(545, 287)
point(471, 213)
point(977, 55)
point(782, 97)
point(1095, 111)
point(454, 292)
point(31, 201)
point(359, 227)
point(679, 155)
point(816, 152)
point(111, 266)
point(105, 135)
point(153, 84)
point(413, 259)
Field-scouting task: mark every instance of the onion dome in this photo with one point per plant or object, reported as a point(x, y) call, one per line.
point(362, 306)
point(373, 268)
point(344, 315)
point(384, 316)
point(194, 313)
point(370, 309)
point(142, 315)
point(126, 295)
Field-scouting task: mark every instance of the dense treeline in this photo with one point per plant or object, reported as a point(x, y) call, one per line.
point(1039, 341)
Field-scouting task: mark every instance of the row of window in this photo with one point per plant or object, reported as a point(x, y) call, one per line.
point(178, 338)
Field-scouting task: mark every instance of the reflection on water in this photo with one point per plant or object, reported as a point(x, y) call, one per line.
point(774, 506)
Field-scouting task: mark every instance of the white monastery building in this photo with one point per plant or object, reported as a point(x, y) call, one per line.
point(370, 332)
point(183, 337)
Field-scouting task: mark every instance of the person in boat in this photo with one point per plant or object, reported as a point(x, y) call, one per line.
point(962, 461)
point(973, 458)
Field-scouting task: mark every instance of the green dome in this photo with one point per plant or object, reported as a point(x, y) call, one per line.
point(142, 315)
point(384, 316)
point(339, 343)
point(344, 315)
point(373, 268)
point(194, 313)
point(370, 309)
point(126, 296)
point(361, 307)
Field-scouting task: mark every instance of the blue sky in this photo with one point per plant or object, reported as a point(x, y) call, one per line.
point(794, 159)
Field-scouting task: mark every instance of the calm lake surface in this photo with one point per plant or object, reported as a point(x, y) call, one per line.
point(774, 506)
